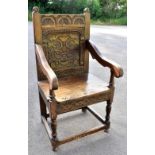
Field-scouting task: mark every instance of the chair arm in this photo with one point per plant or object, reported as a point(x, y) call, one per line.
point(46, 69)
point(96, 54)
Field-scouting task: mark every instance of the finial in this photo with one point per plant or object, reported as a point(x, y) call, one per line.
point(35, 9)
point(86, 10)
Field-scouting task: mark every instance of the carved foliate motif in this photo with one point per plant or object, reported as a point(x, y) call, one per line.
point(63, 37)
point(63, 19)
point(62, 49)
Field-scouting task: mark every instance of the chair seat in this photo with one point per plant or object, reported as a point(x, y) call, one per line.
point(75, 87)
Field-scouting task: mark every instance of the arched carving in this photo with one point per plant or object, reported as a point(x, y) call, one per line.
point(48, 20)
point(64, 20)
point(79, 20)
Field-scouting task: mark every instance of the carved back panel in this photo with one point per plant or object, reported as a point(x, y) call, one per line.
point(62, 37)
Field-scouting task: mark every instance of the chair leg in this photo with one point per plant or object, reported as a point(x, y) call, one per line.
point(84, 109)
point(54, 133)
point(107, 117)
point(42, 107)
point(54, 125)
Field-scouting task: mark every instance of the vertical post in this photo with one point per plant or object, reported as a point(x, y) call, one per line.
point(111, 82)
point(86, 37)
point(37, 36)
point(42, 107)
point(53, 115)
point(109, 102)
point(87, 23)
point(37, 25)
point(107, 117)
point(84, 109)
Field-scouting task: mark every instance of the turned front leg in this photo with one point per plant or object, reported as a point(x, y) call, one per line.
point(54, 133)
point(107, 117)
point(109, 102)
point(54, 124)
point(84, 109)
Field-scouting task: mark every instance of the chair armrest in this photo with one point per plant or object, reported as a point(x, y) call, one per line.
point(46, 69)
point(96, 54)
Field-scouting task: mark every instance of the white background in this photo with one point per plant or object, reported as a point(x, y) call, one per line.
point(14, 77)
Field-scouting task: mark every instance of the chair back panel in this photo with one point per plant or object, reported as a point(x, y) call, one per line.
point(63, 37)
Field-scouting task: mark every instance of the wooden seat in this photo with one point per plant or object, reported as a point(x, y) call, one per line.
point(74, 87)
point(62, 48)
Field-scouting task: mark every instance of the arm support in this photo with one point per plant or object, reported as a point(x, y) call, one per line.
point(115, 68)
point(46, 69)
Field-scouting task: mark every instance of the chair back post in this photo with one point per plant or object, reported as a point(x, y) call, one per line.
point(37, 25)
point(87, 24)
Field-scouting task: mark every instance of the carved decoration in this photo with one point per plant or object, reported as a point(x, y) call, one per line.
point(63, 19)
point(70, 104)
point(78, 20)
point(35, 9)
point(48, 20)
point(86, 10)
point(62, 49)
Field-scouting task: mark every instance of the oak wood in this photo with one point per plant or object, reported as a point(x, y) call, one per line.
point(63, 42)
point(87, 27)
point(75, 87)
point(71, 138)
point(42, 107)
point(96, 54)
point(76, 92)
point(46, 69)
point(37, 25)
point(96, 114)
point(48, 130)
point(111, 81)
point(53, 115)
point(83, 134)
point(107, 117)
point(62, 48)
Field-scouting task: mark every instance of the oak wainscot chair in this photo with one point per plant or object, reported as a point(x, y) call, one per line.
point(62, 48)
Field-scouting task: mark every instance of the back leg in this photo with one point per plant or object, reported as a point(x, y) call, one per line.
point(42, 107)
point(84, 109)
